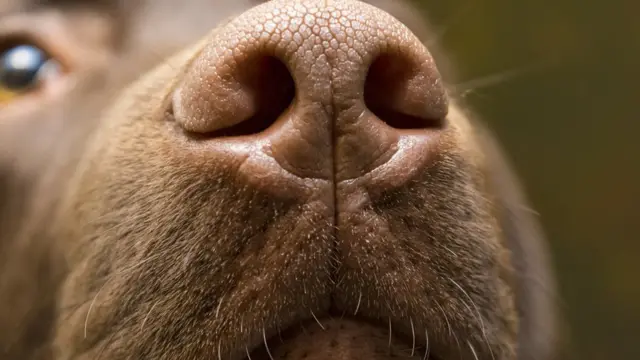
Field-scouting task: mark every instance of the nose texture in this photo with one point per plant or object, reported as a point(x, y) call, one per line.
point(328, 89)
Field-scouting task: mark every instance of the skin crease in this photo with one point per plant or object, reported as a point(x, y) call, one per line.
point(124, 237)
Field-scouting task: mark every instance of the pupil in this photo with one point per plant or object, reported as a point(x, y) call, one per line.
point(19, 67)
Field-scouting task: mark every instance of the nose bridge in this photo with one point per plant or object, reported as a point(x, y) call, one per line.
point(328, 47)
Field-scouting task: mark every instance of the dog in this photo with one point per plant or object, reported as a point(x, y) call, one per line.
point(254, 180)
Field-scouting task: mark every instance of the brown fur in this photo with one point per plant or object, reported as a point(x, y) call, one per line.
point(122, 238)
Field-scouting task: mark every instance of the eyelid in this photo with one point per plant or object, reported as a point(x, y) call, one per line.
point(61, 35)
point(40, 30)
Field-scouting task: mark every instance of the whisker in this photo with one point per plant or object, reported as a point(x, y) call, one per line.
point(528, 209)
point(219, 305)
point(455, 337)
point(358, 305)
point(86, 320)
point(264, 338)
point(344, 313)
point(446, 319)
point(318, 321)
point(463, 89)
point(479, 316)
point(413, 335)
point(147, 316)
point(475, 355)
point(426, 351)
point(449, 250)
point(279, 333)
point(390, 335)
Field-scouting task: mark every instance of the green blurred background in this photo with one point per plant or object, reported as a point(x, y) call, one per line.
point(569, 117)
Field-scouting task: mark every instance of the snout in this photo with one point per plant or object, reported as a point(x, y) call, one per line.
point(299, 172)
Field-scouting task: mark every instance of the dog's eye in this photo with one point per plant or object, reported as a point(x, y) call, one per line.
point(25, 68)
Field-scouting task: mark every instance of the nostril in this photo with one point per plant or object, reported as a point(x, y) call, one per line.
point(274, 88)
point(269, 90)
point(399, 93)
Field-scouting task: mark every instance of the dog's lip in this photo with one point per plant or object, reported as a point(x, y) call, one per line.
point(273, 338)
point(400, 332)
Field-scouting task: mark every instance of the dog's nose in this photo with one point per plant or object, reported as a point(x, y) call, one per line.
point(327, 89)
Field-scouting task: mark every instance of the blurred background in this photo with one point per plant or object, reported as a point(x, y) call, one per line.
point(558, 81)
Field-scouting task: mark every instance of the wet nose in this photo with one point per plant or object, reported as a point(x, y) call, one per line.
point(325, 89)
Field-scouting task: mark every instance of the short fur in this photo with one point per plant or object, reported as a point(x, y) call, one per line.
point(119, 241)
